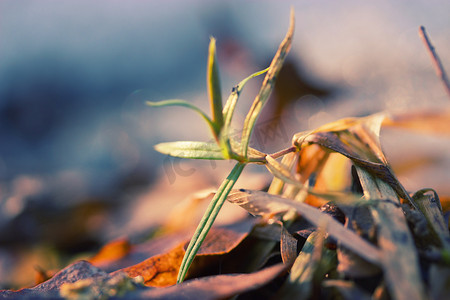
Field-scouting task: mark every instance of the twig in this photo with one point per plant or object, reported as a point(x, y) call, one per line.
point(283, 152)
point(435, 59)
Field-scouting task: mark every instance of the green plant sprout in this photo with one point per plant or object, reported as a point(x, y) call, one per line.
point(224, 146)
point(357, 139)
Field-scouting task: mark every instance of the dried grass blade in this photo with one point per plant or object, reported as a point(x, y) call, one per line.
point(399, 256)
point(261, 203)
point(309, 268)
point(267, 86)
point(429, 205)
point(193, 150)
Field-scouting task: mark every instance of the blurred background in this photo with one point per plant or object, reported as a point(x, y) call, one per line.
point(77, 167)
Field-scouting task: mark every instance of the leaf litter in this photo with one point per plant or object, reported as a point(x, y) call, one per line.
point(335, 223)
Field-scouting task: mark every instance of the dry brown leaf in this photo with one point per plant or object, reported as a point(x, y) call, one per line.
point(333, 176)
point(42, 274)
point(50, 288)
point(357, 139)
point(288, 247)
point(400, 259)
point(160, 270)
point(111, 252)
point(215, 287)
point(223, 240)
point(428, 202)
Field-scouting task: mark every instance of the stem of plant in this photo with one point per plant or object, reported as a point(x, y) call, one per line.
point(435, 58)
point(208, 219)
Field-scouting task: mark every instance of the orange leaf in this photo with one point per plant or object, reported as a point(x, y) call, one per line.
point(160, 270)
point(111, 252)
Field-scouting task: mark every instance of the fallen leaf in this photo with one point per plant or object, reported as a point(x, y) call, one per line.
point(288, 247)
point(50, 288)
point(160, 270)
point(111, 252)
point(214, 287)
point(102, 288)
point(222, 240)
point(261, 203)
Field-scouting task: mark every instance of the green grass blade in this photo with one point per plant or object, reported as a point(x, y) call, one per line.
point(184, 103)
point(267, 86)
point(213, 86)
point(193, 150)
point(230, 105)
point(228, 112)
point(208, 219)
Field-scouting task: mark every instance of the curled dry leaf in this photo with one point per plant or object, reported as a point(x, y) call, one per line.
point(261, 203)
point(357, 139)
point(288, 246)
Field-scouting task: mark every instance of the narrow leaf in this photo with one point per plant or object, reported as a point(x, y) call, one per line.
point(213, 86)
point(277, 184)
point(288, 246)
point(184, 103)
point(228, 112)
point(208, 219)
point(399, 257)
point(309, 269)
point(299, 284)
point(267, 86)
point(193, 150)
point(428, 202)
point(230, 105)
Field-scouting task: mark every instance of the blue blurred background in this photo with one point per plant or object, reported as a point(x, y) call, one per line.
point(74, 77)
